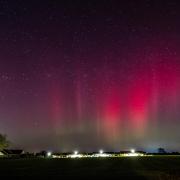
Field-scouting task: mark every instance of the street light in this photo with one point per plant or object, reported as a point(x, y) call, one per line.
point(101, 151)
point(49, 154)
point(75, 152)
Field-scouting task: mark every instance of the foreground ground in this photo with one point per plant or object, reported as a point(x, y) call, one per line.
point(155, 167)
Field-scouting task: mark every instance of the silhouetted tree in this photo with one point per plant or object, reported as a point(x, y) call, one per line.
point(4, 143)
point(161, 151)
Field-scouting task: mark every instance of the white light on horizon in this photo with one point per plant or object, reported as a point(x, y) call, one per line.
point(101, 151)
point(75, 152)
point(132, 154)
point(49, 154)
point(132, 150)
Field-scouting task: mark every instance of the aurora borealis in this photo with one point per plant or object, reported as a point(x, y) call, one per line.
point(88, 75)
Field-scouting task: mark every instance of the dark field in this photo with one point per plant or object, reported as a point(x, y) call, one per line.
point(155, 167)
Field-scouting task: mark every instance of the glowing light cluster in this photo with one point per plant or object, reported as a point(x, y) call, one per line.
point(75, 155)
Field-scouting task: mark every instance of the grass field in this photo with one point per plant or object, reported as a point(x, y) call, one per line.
point(155, 167)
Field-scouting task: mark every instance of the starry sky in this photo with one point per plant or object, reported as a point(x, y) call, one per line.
point(90, 74)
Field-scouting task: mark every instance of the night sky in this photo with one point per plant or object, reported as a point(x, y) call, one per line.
point(90, 74)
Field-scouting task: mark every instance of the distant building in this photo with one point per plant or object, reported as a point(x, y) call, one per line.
point(12, 152)
point(1, 153)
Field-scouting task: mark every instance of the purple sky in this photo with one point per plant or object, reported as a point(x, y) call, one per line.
point(88, 75)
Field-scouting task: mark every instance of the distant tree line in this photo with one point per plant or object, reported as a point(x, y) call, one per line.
point(4, 143)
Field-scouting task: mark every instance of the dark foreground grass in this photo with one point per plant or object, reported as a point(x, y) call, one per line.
point(155, 167)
